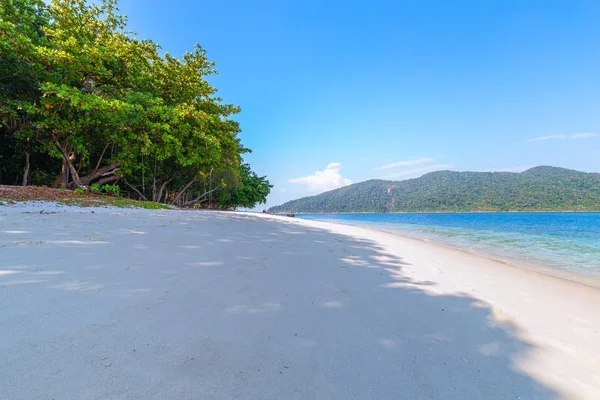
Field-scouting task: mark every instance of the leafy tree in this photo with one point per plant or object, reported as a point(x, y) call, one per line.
point(251, 191)
point(78, 88)
point(21, 34)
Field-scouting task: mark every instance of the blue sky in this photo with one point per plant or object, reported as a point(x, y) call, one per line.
point(334, 92)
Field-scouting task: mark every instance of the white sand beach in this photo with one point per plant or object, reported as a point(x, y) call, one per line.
point(138, 304)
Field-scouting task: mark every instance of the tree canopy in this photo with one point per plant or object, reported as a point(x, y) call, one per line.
point(84, 101)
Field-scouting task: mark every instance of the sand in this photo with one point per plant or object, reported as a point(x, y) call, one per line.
point(139, 304)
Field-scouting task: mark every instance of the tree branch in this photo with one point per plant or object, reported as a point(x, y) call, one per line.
point(102, 155)
point(63, 150)
point(109, 179)
point(160, 191)
point(202, 196)
point(190, 183)
point(108, 170)
point(135, 189)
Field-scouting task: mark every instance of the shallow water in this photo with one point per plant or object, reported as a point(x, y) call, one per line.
point(569, 242)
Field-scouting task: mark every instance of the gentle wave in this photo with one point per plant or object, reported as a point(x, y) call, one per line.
point(569, 242)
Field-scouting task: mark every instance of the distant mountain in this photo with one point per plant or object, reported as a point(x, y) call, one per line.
point(537, 189)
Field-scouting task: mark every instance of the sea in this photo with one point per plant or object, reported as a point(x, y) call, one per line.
point(563, 243)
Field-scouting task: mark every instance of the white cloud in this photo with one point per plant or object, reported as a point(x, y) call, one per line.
point(405, 163)
point(583, 135)
point(322, 181)
point(282, 190)
point(416, 172)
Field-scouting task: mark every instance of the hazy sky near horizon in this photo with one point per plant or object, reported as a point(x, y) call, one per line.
point(334, 92)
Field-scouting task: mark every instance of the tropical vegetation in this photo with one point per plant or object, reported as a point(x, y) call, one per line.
point(85, 102)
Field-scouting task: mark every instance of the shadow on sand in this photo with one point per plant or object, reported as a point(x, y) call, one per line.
point(196, 305)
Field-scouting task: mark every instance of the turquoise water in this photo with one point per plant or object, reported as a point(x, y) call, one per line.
point(565, 241)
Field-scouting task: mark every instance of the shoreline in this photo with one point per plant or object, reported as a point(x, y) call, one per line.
point(161, 296)
point(504, 257)
point(513, 263)
point(558, 316)
point(447, 212)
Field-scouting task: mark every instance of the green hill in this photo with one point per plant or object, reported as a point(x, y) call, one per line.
point(537, 189)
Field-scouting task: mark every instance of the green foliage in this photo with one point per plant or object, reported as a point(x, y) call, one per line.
point(90, 104)
point(537, 189)
point(80, 191)
point(95, 187)
point(112, 190)
point(114, 202)
point(251, 191)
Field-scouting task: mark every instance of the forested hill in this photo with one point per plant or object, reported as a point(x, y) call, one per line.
point(537, 189)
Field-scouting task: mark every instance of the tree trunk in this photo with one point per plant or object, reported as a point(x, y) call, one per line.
point(154, 180)
point(74, 175)
point(26, 170)
point(199, 198)
point(158, 196)
point(209, 185)
point(108, 171)
point(135, 189)
point(61, 180)
point(190, 183)
point(108, 179)
point(102, 155)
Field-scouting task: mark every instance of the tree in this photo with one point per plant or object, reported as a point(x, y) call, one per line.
point(21, 34)
point(91, 103)
point(251, 191)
